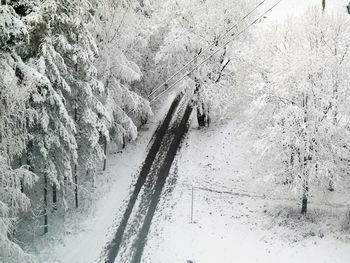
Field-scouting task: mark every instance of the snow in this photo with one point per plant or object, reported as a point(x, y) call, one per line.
point(219, 204)
point(87, 244)
point(12, 29)
point(84, 236)
point(234, 219)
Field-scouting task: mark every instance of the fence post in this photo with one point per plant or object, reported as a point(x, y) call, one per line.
point(192, 197)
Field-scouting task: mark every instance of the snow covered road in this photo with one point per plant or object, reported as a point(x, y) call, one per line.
point(131, 233)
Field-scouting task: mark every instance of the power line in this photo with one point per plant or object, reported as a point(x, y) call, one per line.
point(208, 47)
point(217, 50)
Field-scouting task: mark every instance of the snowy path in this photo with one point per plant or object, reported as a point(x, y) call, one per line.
point(130, 237)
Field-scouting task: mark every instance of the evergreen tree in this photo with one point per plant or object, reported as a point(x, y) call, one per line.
point(66, 52)
point(52, 148)
point(127, 110)
point(13, 127)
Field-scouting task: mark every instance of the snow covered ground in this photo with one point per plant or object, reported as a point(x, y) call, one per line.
point(237, 218)
point(84, 236)
point(86, 242)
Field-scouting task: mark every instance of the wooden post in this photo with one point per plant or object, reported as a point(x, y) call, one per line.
point(192, 197)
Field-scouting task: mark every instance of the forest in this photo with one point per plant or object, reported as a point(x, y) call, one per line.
point(81, 82)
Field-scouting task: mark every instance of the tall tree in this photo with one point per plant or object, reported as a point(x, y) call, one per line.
point(126, 109)
point(52, 145)
point(67, 54)
point(14, 122)
point(304, 144)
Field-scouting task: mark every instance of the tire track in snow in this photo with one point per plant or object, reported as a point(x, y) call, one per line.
point(163, 173)
point(112, 249)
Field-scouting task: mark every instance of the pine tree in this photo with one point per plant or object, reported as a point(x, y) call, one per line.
point(126, 109)
point(51, 149)
point(13, 138)
point(66, 56)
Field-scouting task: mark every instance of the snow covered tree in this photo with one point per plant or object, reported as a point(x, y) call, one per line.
point(300, 116)
point(66, 52)
point(51, 148)
point(127, 110)
point(13, 133)
point(55, 111)
point(192, 27)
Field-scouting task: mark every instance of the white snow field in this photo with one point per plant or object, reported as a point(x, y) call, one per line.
point(237, 218)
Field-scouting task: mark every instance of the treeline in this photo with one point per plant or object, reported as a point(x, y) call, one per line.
point(64, 95)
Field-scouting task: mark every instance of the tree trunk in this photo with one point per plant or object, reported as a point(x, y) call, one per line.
point(75, 165)
point(20, 163)
point(200, 116)
point(76, 185)
point(200, 107)
point(46, 227)
point(305, 190)
point(124, 142)
point(222, 70)
point(304, 201)
point(335, 122)
point(307, 158)
point(208, 117)
point(105, 152)
point(54, 197)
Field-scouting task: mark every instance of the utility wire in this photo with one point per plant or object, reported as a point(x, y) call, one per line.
point(208, 47)
point(217, 50)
